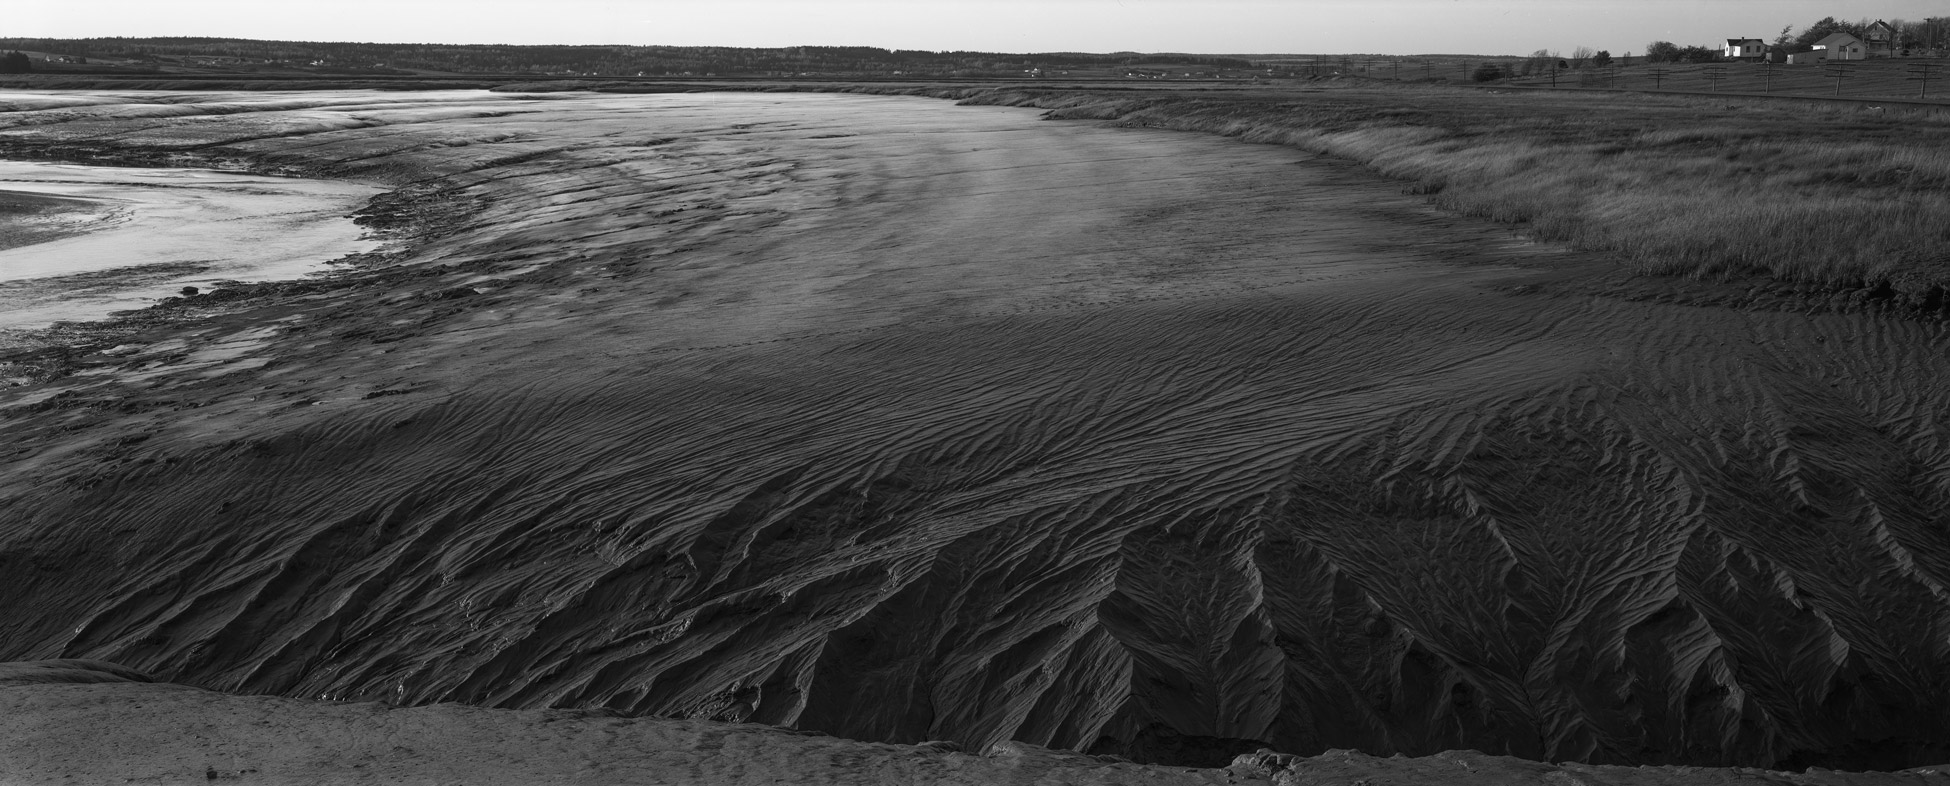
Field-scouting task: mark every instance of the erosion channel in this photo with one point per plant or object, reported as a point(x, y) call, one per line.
point(905, 421)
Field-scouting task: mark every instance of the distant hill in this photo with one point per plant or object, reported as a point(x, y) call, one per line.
point(245, 55)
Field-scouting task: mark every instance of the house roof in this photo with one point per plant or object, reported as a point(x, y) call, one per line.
point(1837, 39)
point(1745, 41)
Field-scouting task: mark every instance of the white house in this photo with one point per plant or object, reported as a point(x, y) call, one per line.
point(1841, 46)
point(1744, 48)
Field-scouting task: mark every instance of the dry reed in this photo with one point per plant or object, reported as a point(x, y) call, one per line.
point(1674, 186)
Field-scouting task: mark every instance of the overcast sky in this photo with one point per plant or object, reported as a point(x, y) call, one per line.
point(1206, 26)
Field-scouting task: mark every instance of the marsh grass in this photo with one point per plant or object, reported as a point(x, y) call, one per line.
point(1801, 191)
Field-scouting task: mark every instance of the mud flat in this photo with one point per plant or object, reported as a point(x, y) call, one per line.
point(75, 721)
point(133, 235)
point(904, 421)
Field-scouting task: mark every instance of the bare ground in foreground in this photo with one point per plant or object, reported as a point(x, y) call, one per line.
point(76, 722)
point(905, 421)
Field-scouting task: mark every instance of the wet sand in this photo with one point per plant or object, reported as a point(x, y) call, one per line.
point(906, 421)
point(133, 235)
point(27, 218)
point(55, 714)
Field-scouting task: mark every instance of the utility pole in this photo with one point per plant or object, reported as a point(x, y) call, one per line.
point(1840, 72)
point(1713, 75)
point(1397, 62)
point(1922, 74)
point(1658, 77)
point(1767, 76)
point(1428, 70)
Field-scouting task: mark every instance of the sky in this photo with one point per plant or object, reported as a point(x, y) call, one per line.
point(1202, 26)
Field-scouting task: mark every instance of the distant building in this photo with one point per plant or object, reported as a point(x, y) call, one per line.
point(1744, 49)
point(1841, 46)
point(1807, 58)
point(1880, 40)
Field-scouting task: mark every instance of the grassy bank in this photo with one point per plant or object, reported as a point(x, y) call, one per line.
point(1847, 198)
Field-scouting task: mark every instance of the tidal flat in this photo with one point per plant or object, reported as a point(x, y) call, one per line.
point(92, 240)
point(906, 421)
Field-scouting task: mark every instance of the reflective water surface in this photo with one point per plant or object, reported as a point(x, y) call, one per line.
point(123, 237)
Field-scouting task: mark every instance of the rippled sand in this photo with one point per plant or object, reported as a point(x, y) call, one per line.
point(906, 421)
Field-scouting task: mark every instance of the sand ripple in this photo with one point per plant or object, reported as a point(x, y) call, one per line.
point(905, 421)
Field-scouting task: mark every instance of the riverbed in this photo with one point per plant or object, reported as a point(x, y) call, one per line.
point(907, 421)
point(128, 236)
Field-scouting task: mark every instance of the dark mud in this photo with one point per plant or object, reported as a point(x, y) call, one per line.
point(905, 421)
point(26, 219)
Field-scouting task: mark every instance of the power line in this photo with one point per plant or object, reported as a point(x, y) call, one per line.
point(1839, 71)
point(1713, 76)
point(1922, 74)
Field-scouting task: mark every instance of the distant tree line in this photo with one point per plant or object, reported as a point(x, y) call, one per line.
point(603, 60)
point(1543, 61)
point(1669, 52)
point(16, 63)
point(1932, 33)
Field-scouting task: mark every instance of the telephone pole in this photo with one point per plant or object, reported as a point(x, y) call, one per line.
point(1921, 73)
point(1840, 72)
point(1713, 75)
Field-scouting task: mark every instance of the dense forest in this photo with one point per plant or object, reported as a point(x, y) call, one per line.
point(590, 60)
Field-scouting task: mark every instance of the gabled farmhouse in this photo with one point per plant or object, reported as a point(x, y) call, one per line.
point(1880, 40)
point(1841, 46)
point(1744, 48)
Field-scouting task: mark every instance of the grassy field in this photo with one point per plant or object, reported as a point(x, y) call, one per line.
point(1899, 78)
point(1839, 195)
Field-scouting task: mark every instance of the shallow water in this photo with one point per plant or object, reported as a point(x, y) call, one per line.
point(141, 234)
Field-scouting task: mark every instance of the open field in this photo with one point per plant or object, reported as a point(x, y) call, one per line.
point(908, 421)
point(1895, 78)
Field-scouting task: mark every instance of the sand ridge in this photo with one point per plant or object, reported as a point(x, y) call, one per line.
point(906, 421)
